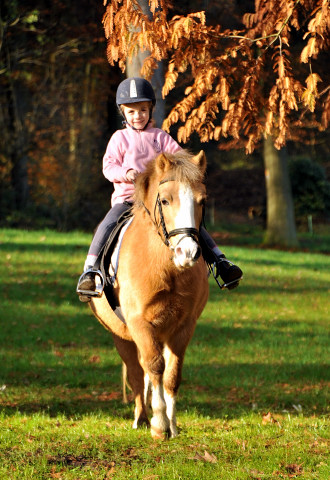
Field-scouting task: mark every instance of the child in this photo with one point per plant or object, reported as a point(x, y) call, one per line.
point(127, 154)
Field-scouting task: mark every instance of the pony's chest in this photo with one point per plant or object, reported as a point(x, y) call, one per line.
point(167, 310)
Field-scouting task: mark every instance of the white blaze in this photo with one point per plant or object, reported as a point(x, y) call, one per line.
point(185, 217)
point(185, 250)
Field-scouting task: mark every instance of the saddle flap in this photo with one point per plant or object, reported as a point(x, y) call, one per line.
point(110, 258)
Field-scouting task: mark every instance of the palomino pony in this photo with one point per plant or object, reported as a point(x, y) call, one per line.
point(161, 284)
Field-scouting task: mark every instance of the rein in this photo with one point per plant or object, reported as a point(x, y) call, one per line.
point(186, 231)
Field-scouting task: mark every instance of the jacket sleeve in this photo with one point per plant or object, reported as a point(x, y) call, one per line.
point(113, 159)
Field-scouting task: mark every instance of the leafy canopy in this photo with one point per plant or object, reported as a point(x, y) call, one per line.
point(261, 79)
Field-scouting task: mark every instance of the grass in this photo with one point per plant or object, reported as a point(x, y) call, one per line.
point(238, 231)
point(254, 398)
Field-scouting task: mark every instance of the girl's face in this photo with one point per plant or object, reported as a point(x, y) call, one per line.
point(137, 114)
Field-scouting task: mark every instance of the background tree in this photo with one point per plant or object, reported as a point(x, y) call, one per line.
point(310, 188)
point(134, 66)
point(54, 91)
point(243, 85)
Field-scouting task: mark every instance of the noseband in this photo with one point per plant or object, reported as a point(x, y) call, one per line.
point(186, 231)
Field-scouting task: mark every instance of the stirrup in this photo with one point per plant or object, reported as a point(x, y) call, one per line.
point(99, 287)
point(212, 269)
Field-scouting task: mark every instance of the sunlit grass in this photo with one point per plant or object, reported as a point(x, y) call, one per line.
point(254, 396)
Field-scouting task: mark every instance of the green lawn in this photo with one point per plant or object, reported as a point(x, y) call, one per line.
point(254, 398)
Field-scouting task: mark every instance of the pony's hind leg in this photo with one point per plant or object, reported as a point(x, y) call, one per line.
point(147, 390)
point(129, 354)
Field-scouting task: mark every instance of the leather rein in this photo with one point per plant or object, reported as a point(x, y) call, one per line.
point(186, 231)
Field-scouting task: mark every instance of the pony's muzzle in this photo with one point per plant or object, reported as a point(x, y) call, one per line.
point(186, 252)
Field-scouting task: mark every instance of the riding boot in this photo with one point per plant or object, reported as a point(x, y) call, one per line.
point(230, 273)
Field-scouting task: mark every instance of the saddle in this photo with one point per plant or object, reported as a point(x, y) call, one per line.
point(106, 255)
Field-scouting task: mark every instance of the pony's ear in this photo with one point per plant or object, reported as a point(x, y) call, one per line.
point(162, 163)
point(200, 161)
point(141, 187)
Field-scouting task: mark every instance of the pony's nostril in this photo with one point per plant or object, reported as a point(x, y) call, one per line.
point(178, 251)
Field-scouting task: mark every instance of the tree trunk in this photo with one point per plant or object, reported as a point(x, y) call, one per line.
point(18, 145)
point(281, 228)
point(133, 69)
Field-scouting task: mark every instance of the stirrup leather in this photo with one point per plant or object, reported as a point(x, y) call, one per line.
point(98, 286)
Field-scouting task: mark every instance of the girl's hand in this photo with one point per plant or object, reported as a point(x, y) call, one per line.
point(132, 174)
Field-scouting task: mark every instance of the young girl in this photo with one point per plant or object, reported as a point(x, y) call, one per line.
point(127, 154)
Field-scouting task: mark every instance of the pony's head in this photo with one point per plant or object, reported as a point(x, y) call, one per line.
point(172, 191)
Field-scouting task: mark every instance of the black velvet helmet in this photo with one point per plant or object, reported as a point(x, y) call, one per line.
point(133, 90)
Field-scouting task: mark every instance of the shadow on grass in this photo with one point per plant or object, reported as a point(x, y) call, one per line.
point(48, 287)
point(235, 391)
point(230, 379)
point(220, 387)
point(39, 247)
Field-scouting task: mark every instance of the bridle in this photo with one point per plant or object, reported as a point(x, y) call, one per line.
point(189, 232)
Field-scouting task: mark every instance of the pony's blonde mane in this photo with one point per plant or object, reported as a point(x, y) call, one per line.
point(181, 169)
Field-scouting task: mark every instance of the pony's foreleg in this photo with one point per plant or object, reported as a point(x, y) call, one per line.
point(129, 354)
point(159, 421)
point(172, 380)
point(174, 353)
point(170, 399)
point(153, 364)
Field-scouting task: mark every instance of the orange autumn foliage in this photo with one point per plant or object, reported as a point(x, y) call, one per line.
point(243, 84)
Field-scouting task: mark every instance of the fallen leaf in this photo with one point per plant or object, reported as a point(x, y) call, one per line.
point(58, 353)
point(94, 359)
point(105, 397)
point(207, 457)
point(294, 469)
point(256, 475)
point(241, 443)
point(54, 473)
point(268, 418)
point(110, 472)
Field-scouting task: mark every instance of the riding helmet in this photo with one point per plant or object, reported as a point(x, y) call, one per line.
point(133, 90)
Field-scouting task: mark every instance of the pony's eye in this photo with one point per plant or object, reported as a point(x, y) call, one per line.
point(164, 202)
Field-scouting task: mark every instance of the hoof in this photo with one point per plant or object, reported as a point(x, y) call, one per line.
point(158, 434)
point(174, 433)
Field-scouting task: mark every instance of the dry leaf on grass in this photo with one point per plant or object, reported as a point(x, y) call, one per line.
point(268, 418)
point(207, 457)
point(294, 469)
point(256, 475)
point(94, 359)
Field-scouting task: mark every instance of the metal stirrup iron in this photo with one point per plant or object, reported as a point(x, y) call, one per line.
point(98, 287)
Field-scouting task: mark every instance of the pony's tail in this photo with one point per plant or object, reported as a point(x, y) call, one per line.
point(125, 382)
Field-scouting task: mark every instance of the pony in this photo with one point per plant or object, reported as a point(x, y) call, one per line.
point(161, 285)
